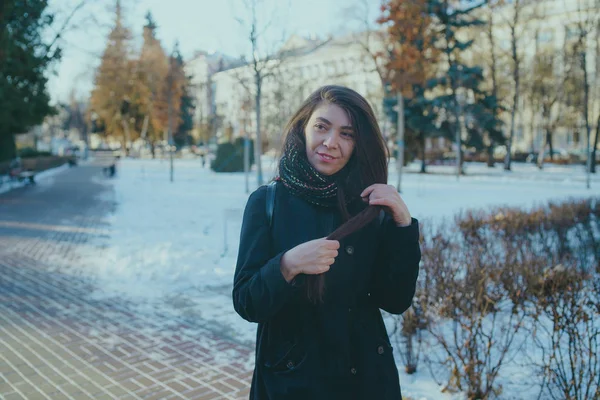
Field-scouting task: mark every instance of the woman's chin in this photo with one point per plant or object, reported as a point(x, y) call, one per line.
point(327, 170)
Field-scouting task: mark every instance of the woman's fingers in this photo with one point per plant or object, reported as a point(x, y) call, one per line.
point(367, 192)
point(380, 202)
point(318, 269)
point(332, 244)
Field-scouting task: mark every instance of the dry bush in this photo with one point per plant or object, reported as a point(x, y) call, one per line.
point(568, 334)
point(466, 300)
point(490, 275)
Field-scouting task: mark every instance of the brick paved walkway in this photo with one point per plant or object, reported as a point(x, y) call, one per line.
point(56, 342)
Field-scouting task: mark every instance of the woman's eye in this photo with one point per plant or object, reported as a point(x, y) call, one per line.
point(348, 134)
point(320, 126)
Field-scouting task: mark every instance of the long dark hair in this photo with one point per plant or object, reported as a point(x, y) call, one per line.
point(367, 165)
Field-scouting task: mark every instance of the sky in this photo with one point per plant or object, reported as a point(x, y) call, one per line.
point(208, 25)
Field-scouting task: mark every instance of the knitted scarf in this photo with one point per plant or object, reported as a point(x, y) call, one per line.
point(303, 180)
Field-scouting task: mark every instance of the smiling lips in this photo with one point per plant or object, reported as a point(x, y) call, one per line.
point(326, 157)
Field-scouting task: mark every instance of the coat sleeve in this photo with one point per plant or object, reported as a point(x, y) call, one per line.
point(259, 288)
point(396, 266)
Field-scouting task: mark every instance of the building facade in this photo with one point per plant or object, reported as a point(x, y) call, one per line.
point(551, 81)
point(301, 66)
point(225, 89)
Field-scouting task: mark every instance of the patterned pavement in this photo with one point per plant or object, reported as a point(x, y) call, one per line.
point(57, 342)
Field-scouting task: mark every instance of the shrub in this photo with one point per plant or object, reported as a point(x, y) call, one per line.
point(493, 282)
point(230, 156)
point(28, 152)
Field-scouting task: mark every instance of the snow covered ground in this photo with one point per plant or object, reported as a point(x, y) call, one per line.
point(43, 178)
point(172, 245)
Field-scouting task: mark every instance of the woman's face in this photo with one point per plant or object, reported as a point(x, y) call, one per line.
point(329, 138)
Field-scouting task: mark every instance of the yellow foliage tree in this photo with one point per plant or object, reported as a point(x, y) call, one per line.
point(153, 71)
point(113, 81)
point(412, 37)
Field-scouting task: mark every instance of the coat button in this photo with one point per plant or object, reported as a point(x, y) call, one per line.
point(353, 371)
point(290, 364)
point(350, 250)
point(380, 350)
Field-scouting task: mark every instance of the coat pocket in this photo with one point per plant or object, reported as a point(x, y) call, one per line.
point(289, 358)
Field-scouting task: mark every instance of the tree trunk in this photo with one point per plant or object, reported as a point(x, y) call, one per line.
point(586, 97)
point(490, 154)
point(423, 161)
point(126, 138)
point(458, 133)
point(508, 160)
point(8, 149)
point(593, 152)
point(549, 141)
point(493, 68)
point(400, 140)
point(542, 152)
point(258, 144)
point(513, 112)
point(456, 105)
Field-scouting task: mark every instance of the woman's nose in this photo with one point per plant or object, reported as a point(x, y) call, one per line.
point(331, 140)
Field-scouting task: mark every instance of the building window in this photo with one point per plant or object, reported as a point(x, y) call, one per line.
point(545, 36)
point(571, 32)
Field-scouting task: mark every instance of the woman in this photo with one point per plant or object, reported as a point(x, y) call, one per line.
point(315, 294)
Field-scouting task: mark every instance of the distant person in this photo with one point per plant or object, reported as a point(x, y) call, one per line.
point(15, 166)
point(316, 273)
point(111, 169)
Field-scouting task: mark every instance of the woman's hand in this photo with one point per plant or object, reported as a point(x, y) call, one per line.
point(388, 197)
point(314, 257)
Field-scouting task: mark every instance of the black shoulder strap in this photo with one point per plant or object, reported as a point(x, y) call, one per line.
point(271, 201)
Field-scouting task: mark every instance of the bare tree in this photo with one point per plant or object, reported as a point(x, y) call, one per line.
point(597, 93)
point(588, 13)
point(285, 95)
point(261, 66)
point(371, 38)
point(495, 63)
point(548, 89)
point(517, 7)
point(66, 26)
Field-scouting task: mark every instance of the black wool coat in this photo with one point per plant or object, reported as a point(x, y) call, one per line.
point(338, 349)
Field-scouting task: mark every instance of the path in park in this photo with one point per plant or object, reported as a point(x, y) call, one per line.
point(58, 342)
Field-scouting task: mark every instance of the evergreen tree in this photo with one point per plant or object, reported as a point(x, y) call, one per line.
point(457, 90)
point(482, 123)
point(110, 97)
point(420, 122)
point(24, 59)
point(153, 70)
point(413, 55)
point(186, 112)
point(174, 90)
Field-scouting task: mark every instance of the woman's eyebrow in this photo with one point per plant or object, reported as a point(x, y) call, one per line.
point(329, 123)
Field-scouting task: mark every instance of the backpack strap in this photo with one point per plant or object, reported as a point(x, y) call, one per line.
point(271, 187)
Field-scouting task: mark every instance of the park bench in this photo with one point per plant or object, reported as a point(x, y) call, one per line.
point(16, 172)
point(23, 175)
point(108, 161)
